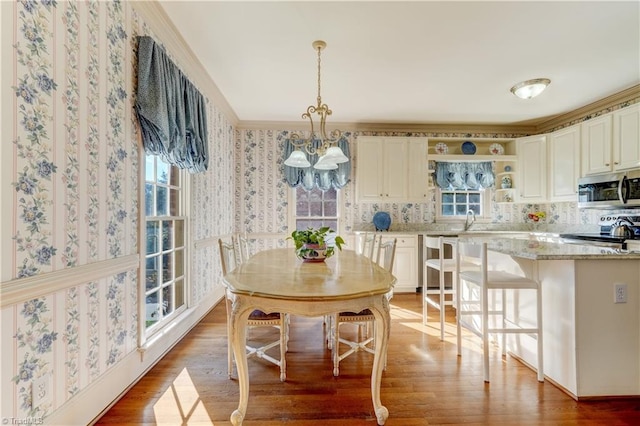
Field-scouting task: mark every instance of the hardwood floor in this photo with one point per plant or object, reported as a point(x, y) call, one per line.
point(425, 383)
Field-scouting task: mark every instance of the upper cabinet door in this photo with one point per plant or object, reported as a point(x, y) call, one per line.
point(369, 176)
point(391, 169)
point(564, 164)
point(395, 169)
point(532, 159)
point(596, 145)
point(626, 138)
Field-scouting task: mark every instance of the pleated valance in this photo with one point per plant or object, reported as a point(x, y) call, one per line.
point(310, 178)
point(171, 111)
point(464, 175)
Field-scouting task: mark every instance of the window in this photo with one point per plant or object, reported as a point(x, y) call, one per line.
point(454, 204)
point(165, 242)
point(316, 208)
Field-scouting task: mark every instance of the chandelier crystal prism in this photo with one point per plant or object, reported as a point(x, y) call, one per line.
point(319, 142)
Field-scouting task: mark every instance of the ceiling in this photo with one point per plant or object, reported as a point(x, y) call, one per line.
point(412, 62)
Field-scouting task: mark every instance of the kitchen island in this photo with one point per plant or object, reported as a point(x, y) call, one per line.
point(591, 343)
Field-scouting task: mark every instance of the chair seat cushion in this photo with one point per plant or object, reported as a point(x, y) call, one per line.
point(261, 316)
point(358, 314)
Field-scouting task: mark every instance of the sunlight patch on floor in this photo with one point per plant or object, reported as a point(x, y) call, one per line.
point(181, 404)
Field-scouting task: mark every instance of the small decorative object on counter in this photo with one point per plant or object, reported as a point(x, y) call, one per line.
point(508, 198)
point(507, 168)
point(312, 245)
point(382, 221)
point(537, 216)
point(506, 182)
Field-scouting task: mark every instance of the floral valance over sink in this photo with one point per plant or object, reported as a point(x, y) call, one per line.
point(465, 175)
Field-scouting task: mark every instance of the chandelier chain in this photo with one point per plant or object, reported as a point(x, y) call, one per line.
point(319, 97)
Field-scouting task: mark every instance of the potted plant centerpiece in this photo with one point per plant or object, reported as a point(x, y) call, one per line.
point(311, 244)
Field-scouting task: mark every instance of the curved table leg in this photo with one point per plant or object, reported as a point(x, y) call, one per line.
point(383, 321)
point(238, 319)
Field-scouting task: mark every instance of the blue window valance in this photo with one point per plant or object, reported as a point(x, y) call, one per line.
point(170, 110)
point(310, 178)
point(464, 175)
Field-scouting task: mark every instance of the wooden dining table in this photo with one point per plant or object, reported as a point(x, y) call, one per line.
point(277, 281)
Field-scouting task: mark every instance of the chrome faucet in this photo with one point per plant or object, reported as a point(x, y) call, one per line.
point(467, 223)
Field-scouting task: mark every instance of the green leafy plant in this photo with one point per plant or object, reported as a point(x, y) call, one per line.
point(314, 236)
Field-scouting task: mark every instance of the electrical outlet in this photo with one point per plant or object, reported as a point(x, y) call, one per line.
point(620, 293)
point(40, 391)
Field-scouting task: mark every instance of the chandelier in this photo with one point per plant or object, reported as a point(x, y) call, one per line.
point(318, 142)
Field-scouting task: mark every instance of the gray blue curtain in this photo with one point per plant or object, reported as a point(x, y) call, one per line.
point(464, 175)
point(170, 110)
point(310, 178)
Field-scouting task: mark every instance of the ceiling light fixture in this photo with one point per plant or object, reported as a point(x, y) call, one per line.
point(530, 88)
point(318, 143)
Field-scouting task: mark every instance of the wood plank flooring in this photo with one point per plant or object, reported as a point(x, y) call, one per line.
point(425, 383)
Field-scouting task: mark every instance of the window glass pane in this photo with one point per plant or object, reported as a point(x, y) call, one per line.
point(174, 202)
point(333, 224)
point(148, 199)
point(331, 194)
point(461, 209)
point(175, 177)
point(161, 201)
point(153, 309)
point(474, 198)
point(150, 171)
point(178, 236)
point(461, 197)
point(315, 208)
point(167, 235)
point(302, 208)
point(179, 263)
point(167, 300)
point(447, 210)
point(167, 267)
point(163, 171)
point(152, 271)
point(330, 208)
point(302, 194)
point(476, 209)
point(447, 197)
point(153, 240)
point(179, 293)
point(315, 195)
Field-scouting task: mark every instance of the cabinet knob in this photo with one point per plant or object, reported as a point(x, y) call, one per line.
point(381, 194)
point(607, 164)
point(616, 162)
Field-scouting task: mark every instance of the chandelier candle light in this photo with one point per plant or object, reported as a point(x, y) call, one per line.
point(329, 152)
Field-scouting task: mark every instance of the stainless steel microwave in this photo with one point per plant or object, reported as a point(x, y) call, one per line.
point(610, 191)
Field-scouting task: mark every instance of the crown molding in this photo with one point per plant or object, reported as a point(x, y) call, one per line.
point(438, 128)
point(620, 100)
point(157, 19)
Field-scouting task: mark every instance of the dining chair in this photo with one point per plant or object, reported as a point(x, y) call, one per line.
point(257, 318)
point(443, 264)
point(367, 244)
point(242, 247)
point(385, 258)
point(486, 282)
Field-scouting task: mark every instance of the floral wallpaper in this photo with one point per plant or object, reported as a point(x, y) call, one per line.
point(71, 145)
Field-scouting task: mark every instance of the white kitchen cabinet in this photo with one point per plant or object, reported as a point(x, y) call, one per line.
point(626, 138)
point(611, 142)
point(532, 169)
point(391, 169)
point(564, 164)
point(597, 145)
point(405, 264)
point(418, 180)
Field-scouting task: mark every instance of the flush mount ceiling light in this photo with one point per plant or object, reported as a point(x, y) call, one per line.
point(530, 88)
point(318, 142)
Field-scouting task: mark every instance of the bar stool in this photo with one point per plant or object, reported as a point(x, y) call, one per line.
point(485, 281)
point(442, 265)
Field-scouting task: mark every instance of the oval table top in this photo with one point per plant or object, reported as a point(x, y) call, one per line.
point(279, 274)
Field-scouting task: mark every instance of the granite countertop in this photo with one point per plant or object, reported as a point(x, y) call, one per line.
point(477, 228)
point(552, 249)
